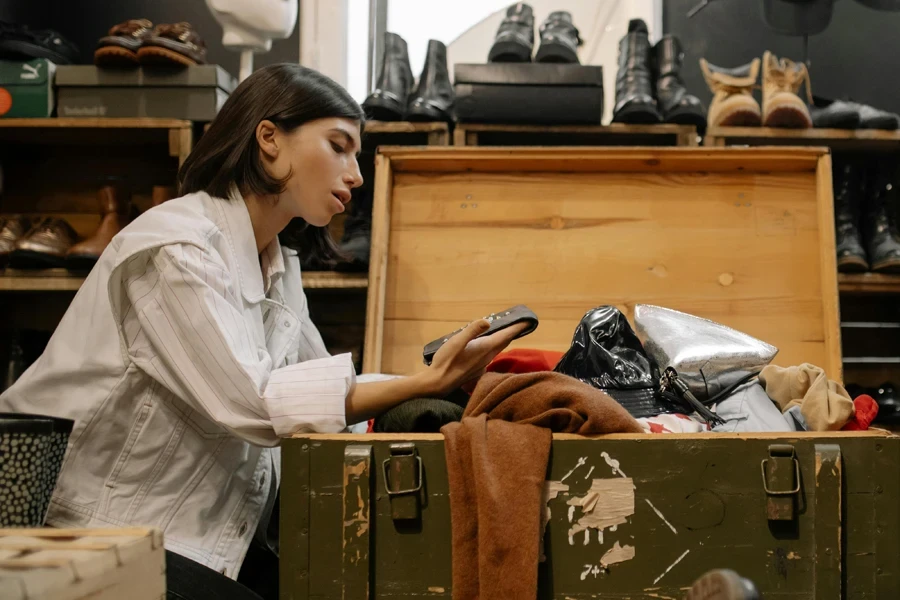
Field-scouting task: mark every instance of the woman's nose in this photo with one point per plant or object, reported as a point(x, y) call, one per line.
point(354, 178)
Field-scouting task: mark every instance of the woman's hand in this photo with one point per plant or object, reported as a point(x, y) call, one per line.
point(464, 358)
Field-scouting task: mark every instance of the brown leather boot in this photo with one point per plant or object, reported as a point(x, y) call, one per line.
point(161, 193)
point(114, 209)
point(781, 106)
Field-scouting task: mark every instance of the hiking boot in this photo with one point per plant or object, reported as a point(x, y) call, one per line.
point(514, 40)
point(781, 106)
point(733, 104)
point(559, 39)
point(395, 80)
point(880, 221)
point(635, 102)
point(849, 192)
point(676, 104)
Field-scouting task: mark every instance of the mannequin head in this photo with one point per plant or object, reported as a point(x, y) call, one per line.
point(253, 24)
point(289, 135)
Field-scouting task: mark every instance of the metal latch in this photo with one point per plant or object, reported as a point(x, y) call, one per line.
point(403, 481)
point(781, 482)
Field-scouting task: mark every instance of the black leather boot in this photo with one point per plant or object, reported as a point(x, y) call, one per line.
point(514, 41)
point(433, 99)
point(635, 102)
point(395, 80)
point(880, 230)
point(559, 39)
point(676, 105)
point(848, 194)
point(356, 242)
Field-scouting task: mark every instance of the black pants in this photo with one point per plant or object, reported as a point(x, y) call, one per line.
point(189, 580)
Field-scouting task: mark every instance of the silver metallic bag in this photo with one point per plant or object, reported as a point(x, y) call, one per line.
point(709, 357)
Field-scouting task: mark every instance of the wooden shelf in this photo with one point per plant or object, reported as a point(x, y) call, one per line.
point(615, 134)
point(380, 133)
point(95, 123)
point(836, 139)
point(61, 280)
point(869, 283)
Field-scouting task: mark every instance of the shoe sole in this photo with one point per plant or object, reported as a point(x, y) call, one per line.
point(787, 117)
point(638, 114)
point(721, 584)
point(556, 53)
point(884, 123)
point(502, 52)
point(687, 118)
point(156, 55)
point(852, 264)
point(891, 267)
point(425, 114)
point(115, 56)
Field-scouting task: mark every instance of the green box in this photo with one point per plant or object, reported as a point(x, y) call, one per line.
point(26, 88)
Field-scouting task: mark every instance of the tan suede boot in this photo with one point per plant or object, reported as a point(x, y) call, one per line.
point(114, 207)
point(781, 80)
point(733, 104)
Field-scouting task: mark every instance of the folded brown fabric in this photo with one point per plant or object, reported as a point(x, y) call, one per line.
point(824, 403)
point(496, 465)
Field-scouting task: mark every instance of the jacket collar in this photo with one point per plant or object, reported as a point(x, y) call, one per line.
point(239, 231)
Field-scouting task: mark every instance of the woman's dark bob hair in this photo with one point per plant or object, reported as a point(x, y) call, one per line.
point(227, 154)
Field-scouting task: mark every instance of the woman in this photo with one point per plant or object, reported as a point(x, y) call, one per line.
point(189, 352)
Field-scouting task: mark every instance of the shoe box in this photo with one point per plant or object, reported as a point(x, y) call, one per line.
point(538, 93)
point(194, 93)
point(26, 88)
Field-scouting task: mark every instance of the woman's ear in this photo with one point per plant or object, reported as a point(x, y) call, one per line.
point(267, 138)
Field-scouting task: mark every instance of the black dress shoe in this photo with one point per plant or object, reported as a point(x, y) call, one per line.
point(888, 403)
point(880, 222)
point(514, 41)
point(433, 99)
point(849, 194)
point(635, 102)
point(395, 80)
point(833, 114)
point(559, 39)
point(676, 104)
point(18, 42)
point(874, 118)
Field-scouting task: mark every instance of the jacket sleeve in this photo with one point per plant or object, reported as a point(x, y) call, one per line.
point(181, 321)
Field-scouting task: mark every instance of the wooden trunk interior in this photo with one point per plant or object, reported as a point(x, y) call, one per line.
point(744, 237)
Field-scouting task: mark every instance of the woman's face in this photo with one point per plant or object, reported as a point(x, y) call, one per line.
point(321, 159)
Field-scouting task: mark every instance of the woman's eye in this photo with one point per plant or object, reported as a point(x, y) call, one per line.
point(337, 148)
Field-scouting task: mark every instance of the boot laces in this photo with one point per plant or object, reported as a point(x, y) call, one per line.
point(787, 76)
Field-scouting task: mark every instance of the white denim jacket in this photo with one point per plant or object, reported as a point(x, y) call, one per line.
point(183, 359)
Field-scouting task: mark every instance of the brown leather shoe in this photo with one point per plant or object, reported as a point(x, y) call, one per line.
point(119, 48)
point(161, 193)
point(45, 246)
point(176, 44)
point(114, 207)
point(12, 228)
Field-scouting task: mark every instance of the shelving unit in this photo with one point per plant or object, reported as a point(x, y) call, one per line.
point(855, 140)
point(869, 283)
point(616, 134)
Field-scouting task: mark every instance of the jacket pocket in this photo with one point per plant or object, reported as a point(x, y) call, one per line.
point(195, 420)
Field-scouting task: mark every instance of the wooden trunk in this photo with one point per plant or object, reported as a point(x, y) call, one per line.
point(741, 236)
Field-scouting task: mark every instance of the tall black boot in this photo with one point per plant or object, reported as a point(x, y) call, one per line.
point(880, 231)
point(514, 40)
point(357, 239)
point(559, 39)
point(676, 105)
point(395, 80)
point(635, 102)
point(849, 192)
point(433, 99)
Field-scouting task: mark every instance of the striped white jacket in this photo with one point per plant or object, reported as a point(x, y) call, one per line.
point(182, 359)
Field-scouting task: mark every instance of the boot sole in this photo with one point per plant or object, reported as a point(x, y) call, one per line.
point(721, 584)
point(787, 117)
point(687, 117)
point(502, 52)
point(555, 53)
point(852, 264)
point(891, 267)
point(380, 109)
point(156, 55)
point(115, 56)
point(742, 118)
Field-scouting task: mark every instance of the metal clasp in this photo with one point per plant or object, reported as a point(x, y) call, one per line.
point(403, 477)
point(782, 471)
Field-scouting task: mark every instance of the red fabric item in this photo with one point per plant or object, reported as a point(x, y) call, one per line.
point(866, 411)
point(371, 427)
point(524, 360)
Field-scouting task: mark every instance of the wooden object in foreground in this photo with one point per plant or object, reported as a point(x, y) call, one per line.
point(859, 140)
point(869, 283)
point(616, 134)
point(744, 237)
point(406, 133)
point(82, 564)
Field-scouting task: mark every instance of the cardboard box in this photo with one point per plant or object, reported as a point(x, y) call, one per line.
point(26, 88)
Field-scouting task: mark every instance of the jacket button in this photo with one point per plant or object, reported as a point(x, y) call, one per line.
point(287, 324)
point(243, 529)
